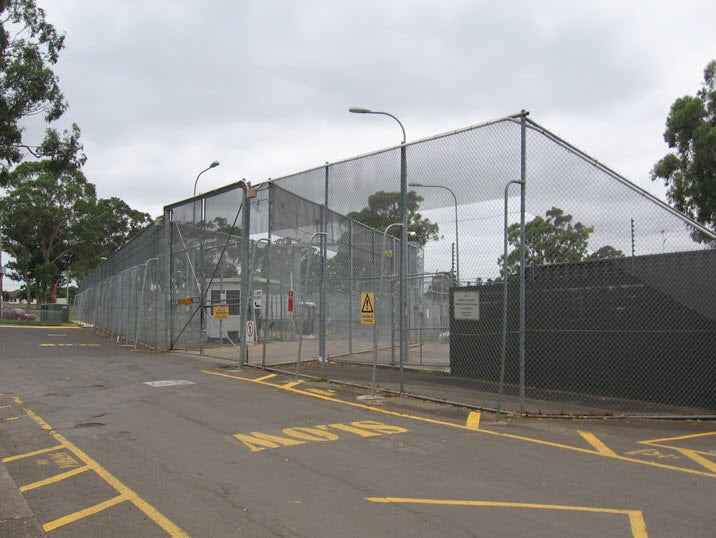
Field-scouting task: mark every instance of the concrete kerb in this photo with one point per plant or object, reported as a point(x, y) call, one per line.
point(16, 517)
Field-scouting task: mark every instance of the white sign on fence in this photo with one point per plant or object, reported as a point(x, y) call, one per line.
point(466, 305)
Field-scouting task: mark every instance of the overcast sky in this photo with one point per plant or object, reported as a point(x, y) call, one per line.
point(161, 88)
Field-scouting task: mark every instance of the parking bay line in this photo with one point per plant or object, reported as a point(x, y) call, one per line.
point(636, 518)
point(125, 492)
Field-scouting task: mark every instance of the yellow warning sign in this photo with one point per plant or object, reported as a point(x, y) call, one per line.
point(220, 311)
point(367, 308)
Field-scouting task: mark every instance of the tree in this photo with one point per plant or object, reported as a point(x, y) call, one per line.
point(104, 225)
point(553, 239)
point(53, 221)
point(384, 209)
point(29, 47)
point(607, 251)
point(689, 172)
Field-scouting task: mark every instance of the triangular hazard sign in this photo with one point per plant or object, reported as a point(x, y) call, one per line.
point(367, 307)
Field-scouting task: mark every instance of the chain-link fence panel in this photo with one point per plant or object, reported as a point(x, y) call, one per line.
point(125, 295)
point(536, 280)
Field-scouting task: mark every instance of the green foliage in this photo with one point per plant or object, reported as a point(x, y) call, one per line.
point(607, 251)
point(384, 209)
point(53, 222)
point(689, 172)
point(29, 47)
point(554, 239)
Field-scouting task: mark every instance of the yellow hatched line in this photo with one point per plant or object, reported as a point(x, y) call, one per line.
point(54, 479)
point(264, 378)
point(597, 444)
point(124, 491)
point(693, 455)
point(81, 514)
point(31, 454)
point(290, 387)
point(636, 518)
point(473, 420)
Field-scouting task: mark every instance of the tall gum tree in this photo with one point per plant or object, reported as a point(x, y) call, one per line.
point(29, 48)
point(689, 171)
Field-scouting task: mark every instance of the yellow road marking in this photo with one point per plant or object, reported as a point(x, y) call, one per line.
point(473, 420)
point(636, 518)
point(31, 454)
point(289, 387)
point(679, 438)
point(321, 391)
point(693, 455)
point(81, 514)
point(53, 479)
point(653, 453)
point(10, 419)
point(600, 447)
point(124, 491)
point(264, 378)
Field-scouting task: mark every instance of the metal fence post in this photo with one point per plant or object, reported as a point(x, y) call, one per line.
point(303, 300)
point(324, 270)
point(523, 195)
point(504, 308)
point(167, 282)
point(244, 302)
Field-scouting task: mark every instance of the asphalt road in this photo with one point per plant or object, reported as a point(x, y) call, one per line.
point(97, 439)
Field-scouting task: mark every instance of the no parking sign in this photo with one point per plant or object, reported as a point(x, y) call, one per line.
point(250, 332)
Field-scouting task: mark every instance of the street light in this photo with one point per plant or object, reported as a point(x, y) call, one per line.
point(457, 241)
point(202, 320)
point(212, 165)
point(403, 238)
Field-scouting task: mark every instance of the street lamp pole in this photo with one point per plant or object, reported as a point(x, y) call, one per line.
point(214, 164)
point(457, 240)
point(202, 316)
point(403, 239)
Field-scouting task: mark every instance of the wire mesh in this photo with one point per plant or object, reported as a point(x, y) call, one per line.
point(612, 312)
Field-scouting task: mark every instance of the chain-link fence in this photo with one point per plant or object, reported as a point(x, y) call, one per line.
point(536, 280)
